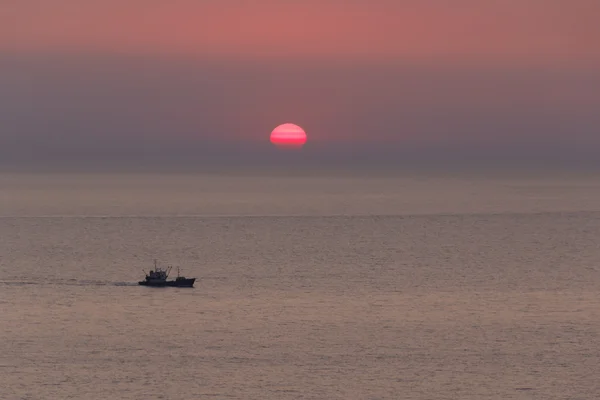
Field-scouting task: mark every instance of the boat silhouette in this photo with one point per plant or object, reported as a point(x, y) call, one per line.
point(158, 277)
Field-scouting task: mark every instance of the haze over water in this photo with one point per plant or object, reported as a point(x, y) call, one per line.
point(316, 286)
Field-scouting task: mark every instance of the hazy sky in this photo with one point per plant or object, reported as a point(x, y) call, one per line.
point(187, 79)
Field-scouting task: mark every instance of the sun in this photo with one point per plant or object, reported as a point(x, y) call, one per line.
point(288, 136)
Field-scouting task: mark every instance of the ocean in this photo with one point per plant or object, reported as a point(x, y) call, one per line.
point(309, 286)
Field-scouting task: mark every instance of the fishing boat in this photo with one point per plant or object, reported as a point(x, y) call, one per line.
point(158, 277)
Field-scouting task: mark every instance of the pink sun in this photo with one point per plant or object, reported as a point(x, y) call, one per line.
point(288, 136)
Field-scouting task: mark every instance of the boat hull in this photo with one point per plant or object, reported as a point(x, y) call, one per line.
point(184, 282)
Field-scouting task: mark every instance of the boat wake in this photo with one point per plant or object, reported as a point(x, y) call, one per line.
point(67, 282)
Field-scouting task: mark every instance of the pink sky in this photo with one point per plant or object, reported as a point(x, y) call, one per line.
point(507, 31)
point(361, 76)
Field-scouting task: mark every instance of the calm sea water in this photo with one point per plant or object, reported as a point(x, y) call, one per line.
point(308, 287)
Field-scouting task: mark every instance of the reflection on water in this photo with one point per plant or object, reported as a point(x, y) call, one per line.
point(308, 288)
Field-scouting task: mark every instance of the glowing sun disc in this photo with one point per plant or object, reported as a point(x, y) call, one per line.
point(288, 136)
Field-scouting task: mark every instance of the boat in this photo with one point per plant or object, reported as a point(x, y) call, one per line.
point(158, 277)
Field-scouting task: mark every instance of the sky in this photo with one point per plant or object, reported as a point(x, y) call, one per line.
point(202, 80)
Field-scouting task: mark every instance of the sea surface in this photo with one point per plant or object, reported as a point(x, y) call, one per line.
point(311, 286)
